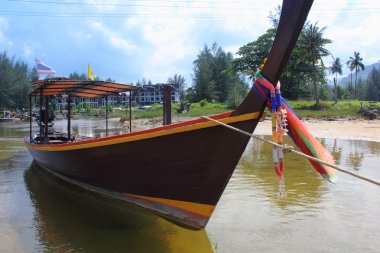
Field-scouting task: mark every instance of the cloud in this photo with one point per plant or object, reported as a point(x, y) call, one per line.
point(134, 40)
point(115, 38)
point(352, 33)
point(3, 27)
point(80, 35)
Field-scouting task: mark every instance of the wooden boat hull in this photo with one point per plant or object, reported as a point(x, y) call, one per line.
point(178, 171)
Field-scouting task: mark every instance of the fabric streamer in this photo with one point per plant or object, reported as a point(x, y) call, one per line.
point(284, 118)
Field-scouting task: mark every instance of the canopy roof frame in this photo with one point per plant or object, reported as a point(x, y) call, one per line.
point(76, 88)
point(79, 88)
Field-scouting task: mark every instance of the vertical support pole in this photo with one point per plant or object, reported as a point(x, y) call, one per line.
point(40, 116)
point(106, 115)
point(167, 107)
point(69, 117)
point(46, 119)
point(30, 117)
point(130, 111)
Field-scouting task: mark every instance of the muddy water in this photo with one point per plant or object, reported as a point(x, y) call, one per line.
point(38, 213)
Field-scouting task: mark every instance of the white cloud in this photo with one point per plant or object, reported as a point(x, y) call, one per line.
point(114, 37)
point(80, 35)
point(158, 39)
point(3, 27)
point(352, 33)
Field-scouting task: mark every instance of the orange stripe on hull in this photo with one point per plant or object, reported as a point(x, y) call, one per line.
point(201, 209)
point(191, 215)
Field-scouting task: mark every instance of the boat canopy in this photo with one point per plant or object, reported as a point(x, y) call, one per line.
point(78, 88)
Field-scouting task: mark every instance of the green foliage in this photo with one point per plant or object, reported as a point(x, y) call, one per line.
point(335, 69)
point(326, 109)
point(304, 68)
point(208, 109)
point(323, 92)
point(236, 95)
point(203, 102)
point(253, 54)
point(196, 109)
point(355, 63)
point(312, 43)
point(212, 79)
point(180, 80)
point(78, 76)
point(372, 87)
point(15, 78)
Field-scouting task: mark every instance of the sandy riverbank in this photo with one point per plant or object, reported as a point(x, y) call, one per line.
point(349, 128)
point(352, 129)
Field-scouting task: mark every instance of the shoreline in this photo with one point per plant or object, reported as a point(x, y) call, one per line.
point(348, 129)
point(342, 128)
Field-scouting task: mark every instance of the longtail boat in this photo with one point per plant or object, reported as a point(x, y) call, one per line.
point(178, 171)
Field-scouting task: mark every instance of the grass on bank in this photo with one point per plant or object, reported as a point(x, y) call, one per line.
point(328, 109)
point(303, 108)
point(196, 109)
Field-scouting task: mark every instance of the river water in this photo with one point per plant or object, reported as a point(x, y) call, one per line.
point(38, 213)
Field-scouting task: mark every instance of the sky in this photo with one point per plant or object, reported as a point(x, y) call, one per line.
point(130, 40)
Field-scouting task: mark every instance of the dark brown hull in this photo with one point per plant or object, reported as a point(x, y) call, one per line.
point(171, 170)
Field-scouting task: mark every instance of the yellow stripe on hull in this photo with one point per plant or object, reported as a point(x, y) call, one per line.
point(99, 142)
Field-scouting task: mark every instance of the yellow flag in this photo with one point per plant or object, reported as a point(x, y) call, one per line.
point(90, 75)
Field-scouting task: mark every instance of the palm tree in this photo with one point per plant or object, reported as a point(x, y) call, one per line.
point(336, 68)
point(312, 42)
point(355, 63)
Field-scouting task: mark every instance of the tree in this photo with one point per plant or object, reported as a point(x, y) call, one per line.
point(335, 69)
point(204, 84)
point(253, 54)
point(275, 17)
point(373, 85)
point(313, 43)
point(180, 80)
point(213, 79)
point(15, 78)
point(78, 76)
point(355, 63)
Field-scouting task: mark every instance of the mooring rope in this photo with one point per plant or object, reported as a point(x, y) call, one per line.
point(288, 148)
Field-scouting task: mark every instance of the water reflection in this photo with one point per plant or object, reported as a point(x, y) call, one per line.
point(91, 127)
point(71, 219)
point(302, 186)
point(40, 214)
point(373, 147)
point(336, 152)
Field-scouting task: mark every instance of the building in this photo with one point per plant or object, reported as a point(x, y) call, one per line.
point(154, 94)
point(121, 99)
point(147, 95)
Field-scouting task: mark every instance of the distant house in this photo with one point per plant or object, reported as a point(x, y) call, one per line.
point(154, 94)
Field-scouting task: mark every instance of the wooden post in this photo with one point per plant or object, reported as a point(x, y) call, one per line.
point(39, 117)
point(106, 115)
point(130, 111)
point(69, 117)
point(167, 107)
point(30, 117)
point(46, 120)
